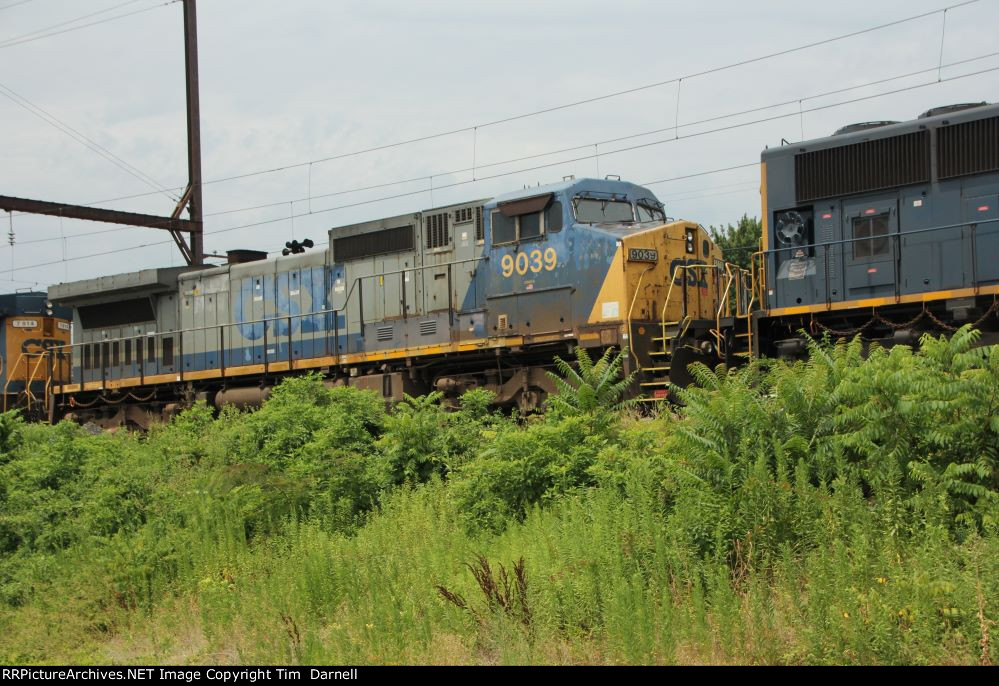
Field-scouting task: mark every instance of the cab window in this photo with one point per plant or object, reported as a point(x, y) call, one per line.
point(526, 227)
point(648, 212)
point(603, 211)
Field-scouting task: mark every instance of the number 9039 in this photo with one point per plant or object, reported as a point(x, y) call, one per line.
point(533, 261)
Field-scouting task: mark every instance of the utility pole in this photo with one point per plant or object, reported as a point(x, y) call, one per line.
point(194, 253)
point(193, 129)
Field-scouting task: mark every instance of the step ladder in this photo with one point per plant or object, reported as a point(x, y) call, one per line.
point(654, 380)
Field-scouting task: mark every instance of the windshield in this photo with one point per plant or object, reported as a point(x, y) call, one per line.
point(593, 211)
point(648, 212)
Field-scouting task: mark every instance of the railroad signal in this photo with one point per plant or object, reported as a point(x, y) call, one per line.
point(294, 247)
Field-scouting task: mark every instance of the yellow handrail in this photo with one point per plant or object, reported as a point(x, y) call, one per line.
point(631, 308)
point(27, 386)
point(31, 379)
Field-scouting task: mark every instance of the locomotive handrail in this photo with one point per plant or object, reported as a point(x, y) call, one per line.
point(895, 238)
point(355, 286)
point(265, 320)
point(27, 386)
point(899, 234)
point(634, 298)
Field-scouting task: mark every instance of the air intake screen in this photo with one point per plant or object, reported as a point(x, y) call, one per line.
point(861, 167)
point(968, 148)
point(375, 243)
point(116, 314)
point(435, 227)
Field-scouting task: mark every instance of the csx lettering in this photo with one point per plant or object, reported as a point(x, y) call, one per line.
point(695, 277)
point(534, 261)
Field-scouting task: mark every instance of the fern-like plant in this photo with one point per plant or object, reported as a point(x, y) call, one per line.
point(590, 387)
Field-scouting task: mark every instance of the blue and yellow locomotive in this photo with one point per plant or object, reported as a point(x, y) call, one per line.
point(476, 294)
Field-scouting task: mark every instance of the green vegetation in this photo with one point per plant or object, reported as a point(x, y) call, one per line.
point(839, 510)
point(738, 242)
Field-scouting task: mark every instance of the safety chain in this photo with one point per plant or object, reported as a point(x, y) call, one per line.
point(925, 312)
point(892, 325)
point(993, 308)
point(842, 332)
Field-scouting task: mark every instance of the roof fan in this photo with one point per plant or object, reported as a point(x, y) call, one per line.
point(790, 228)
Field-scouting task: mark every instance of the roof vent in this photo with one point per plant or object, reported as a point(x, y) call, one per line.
point(863, 126)
point(950, 109)
point(241, 256)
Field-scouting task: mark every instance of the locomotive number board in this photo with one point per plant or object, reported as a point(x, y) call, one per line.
point(643, 255)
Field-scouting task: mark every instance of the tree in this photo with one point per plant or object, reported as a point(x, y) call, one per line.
point(739, 242)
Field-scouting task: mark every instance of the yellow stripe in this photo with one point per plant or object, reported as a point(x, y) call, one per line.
point(310, 363)
point(763, 216)
point(881, 302)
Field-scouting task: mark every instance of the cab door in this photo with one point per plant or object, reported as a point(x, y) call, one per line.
point(870, 250)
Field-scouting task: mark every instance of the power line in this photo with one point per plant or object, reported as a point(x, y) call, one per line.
point(81, 138)
point(581, 147)
point(29, 37)
point(332, 209)
point(606, 96)
point(426, 177)
point(474, 128)
point(14, 39)
point(13, 4)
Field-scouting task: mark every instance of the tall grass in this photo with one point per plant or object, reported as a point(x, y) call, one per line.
point(841, 510)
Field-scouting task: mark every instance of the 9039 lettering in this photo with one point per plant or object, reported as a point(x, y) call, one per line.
point(643, 255)
point(533, 261)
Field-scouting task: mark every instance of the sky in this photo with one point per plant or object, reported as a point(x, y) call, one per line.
point(289, 85)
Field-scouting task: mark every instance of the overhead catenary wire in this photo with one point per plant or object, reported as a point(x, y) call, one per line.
point(621, 150)
point(429, 177)
point(38, 35)
point(606, 96)
point(83, 139)
point(14, 4)
point(331, 209)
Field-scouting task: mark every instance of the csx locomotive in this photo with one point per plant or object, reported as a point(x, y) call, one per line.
point(29, 326)
point(477, 294)
point(885, 230)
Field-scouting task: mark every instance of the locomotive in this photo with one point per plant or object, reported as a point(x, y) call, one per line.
point(29, 326)
point(479, 294)
point(884, 230)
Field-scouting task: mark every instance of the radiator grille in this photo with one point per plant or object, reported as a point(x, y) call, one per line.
point(480, 231)
point(375, 243)
point(968, 148)
point(384, 333)
point(428, 327)
point(435, 229)
point(861, 167)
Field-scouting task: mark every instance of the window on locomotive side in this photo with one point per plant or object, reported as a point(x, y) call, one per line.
point(649, 213)
point(870, 237)
point(530, 226)
point(553, 218)
point(526, 227)
point(601, 211)
point(168, 351)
